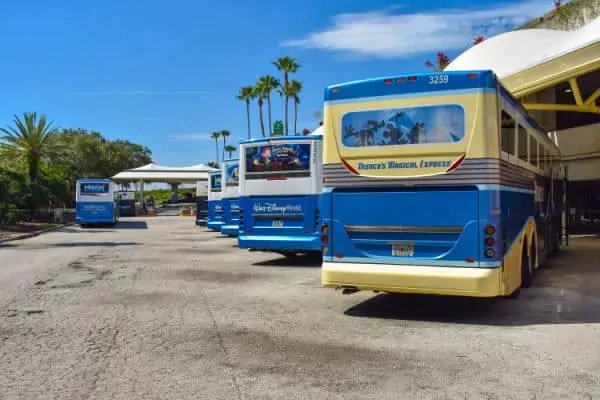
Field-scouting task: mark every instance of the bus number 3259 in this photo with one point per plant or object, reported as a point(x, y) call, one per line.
point(438, 79)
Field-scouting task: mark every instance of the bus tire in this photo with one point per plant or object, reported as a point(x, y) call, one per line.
point(527, 265)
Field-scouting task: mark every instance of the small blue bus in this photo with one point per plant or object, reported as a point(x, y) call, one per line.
point(215, 207)
point(230, 196)
point(96, 202)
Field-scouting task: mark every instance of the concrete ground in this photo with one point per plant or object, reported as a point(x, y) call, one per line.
point(160, 309)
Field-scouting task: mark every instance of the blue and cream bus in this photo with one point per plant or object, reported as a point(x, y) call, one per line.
point(215, 208)
point(230, 194)
point(436, 183)
point(280, 187)
point(96, 202)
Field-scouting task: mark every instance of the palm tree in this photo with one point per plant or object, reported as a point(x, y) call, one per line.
point(269, 83)
point(32, 141)
point(216, 135)
point(294, 91)
point(230, 149)
point(259, 92)
point(287, 65)
point(247, 94)
point(224, 134)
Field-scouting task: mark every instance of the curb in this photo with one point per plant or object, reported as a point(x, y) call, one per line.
point(33, 234)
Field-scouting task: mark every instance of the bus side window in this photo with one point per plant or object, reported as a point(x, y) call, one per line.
point(533, 151)
point(522, 143)
point(507, 133)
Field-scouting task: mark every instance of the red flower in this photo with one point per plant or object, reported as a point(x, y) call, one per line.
point(478, 39)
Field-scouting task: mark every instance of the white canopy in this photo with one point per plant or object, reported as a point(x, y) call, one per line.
point(544, 54)
point(159, 173)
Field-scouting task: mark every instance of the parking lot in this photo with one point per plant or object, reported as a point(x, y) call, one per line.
point(158, 308)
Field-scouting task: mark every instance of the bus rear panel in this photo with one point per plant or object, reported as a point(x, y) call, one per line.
point(413, 186)
point(96, 202)
point(215, 205)
point(280, 192)
point(230, 198)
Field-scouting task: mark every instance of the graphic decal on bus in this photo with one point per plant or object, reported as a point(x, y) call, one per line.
point(94, 188)
point(273, 208)
point(232, 175)
point(275, 159)
point(404, 126)
point(215, 182)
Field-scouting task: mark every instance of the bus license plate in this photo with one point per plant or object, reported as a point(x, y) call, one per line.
point(277, 224)
point(403, 249)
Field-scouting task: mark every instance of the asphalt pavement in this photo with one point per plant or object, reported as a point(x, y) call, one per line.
point(158, 308)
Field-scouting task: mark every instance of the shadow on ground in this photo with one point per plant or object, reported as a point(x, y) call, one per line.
point(565, 291)
point(302, 261)
point(131, 225)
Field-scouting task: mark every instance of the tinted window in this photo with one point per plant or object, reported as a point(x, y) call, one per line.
point(522, 136)
point(533, 150)
point(507, 133)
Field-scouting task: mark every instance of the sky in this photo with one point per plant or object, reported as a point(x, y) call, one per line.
point(165, 73)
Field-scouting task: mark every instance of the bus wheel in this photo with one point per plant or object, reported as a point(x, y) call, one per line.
point(527, 263)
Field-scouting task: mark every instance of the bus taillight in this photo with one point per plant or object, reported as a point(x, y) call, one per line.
point(489, 241)
point(324, 236)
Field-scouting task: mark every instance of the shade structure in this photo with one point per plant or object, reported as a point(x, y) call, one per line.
point(529, 60)
point(159, 173)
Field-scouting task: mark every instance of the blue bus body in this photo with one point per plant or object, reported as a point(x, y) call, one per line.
point(230, 197)
point(215, 204)
point(457, 191)
point(95, 202)
point(280, 190)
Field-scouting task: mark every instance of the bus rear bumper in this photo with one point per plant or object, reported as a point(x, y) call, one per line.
point(282, 243)
point(94, 220)
point(214, 225)
point(451, 281)
point(230, 230)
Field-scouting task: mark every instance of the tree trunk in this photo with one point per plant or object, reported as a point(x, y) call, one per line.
point(248, 117)
point(285, 93)
point(269, 107)
point(217, 147)
point(295, 117)
point(262, 122)
point(224, 144)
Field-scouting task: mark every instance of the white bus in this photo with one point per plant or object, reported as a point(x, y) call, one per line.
point(96, 202)
point(230, 194)
point(280, 189)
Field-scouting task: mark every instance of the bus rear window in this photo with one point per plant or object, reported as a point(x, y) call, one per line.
point(94, 188)
point(215, 183)
point(435, 124)
point(232, 175)
point(271, 160)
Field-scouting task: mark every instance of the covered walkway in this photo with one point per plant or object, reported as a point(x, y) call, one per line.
point(154, 173)
point(556, 75)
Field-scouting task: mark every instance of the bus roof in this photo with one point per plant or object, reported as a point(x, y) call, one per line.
point(283, 138)
point(231, 160)
point(214, 171)
point(94, 180)
point(412, 83)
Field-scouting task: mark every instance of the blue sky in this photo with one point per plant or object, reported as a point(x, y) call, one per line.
point(165, 73)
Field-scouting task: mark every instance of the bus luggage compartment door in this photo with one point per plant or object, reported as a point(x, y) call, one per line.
point(422, 226)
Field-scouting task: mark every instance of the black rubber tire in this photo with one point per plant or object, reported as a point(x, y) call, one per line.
point(527, 265)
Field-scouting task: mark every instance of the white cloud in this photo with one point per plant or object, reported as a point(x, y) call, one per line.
point(396, 33)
